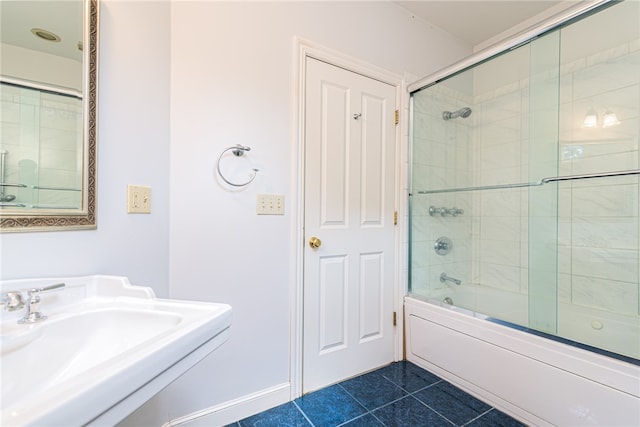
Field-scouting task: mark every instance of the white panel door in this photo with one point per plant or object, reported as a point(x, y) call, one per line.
point(349, 206)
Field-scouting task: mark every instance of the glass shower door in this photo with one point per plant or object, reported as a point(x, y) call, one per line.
point(542, 200)
point(525, 189)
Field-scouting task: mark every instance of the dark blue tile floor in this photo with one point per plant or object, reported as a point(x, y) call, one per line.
point(399, 395)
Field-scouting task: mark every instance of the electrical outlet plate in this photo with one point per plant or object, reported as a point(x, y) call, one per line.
point(138, 199)
point(270, 204)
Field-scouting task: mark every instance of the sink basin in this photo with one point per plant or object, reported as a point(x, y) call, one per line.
point(105, 348)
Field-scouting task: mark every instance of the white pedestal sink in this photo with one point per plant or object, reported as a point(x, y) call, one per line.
point(105, 348)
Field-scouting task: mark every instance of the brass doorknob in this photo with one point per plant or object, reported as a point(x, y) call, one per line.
point(315, 243)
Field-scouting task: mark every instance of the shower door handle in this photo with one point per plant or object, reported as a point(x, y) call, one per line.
point(315, 243)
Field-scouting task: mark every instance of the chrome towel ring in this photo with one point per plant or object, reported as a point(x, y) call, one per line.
point(238, 151)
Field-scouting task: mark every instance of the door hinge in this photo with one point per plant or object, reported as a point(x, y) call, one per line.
point(395, 320)
point(397, 117)
point(395, 217)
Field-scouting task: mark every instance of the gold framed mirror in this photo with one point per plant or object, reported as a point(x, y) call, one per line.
point(48, 90)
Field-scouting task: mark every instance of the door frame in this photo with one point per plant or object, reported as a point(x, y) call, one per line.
point(302, 50)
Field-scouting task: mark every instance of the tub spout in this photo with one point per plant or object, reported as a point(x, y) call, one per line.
point(445, 278)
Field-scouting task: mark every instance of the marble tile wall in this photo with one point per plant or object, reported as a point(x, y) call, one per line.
point(440, 160)
point(598, 219)
point(598, 226)
point(500, 216)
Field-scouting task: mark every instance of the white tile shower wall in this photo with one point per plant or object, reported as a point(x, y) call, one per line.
point(598, 225)
point(603, 242)
point(441, 159)
point(500, 151)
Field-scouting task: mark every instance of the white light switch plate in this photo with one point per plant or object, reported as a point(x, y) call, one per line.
point(138, 199)
point(270, 204)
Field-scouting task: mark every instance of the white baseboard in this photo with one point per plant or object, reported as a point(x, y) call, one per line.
point(236, 409)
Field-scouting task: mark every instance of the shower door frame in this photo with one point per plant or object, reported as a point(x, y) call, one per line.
point(511, 43)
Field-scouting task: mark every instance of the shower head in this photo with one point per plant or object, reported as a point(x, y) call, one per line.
point(463, 112)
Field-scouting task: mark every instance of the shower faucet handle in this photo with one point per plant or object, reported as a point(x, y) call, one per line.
point(443, 245)
point(438, 211)
point(445, 211)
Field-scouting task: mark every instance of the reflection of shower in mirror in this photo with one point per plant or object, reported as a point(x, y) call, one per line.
point(3, 197)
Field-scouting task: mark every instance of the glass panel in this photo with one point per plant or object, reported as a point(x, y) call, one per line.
point(598, 219)
point(470, 131)
point(561, 257)
point(543, 201)
point(441, 159)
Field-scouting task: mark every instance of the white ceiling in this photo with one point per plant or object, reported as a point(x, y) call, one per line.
point(63, 18)
point(476, 21)
point(472, 21)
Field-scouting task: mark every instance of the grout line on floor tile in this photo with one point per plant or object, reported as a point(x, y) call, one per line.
point(407, 391)
point(426, 387)
point(303, 414)
point(394, 401)
point(352, 419)
point(396, 384)
point(374, 416)
point(430, 407)
point(479, 416)
point(353, 397)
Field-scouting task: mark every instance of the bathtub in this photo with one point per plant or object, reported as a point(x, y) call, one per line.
point(601, 329)
point(534, 379)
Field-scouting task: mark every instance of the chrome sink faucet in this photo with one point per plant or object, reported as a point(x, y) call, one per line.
point(33, 313)
point(12, 301)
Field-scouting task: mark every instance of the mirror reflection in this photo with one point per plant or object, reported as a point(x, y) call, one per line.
point(47, 95)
